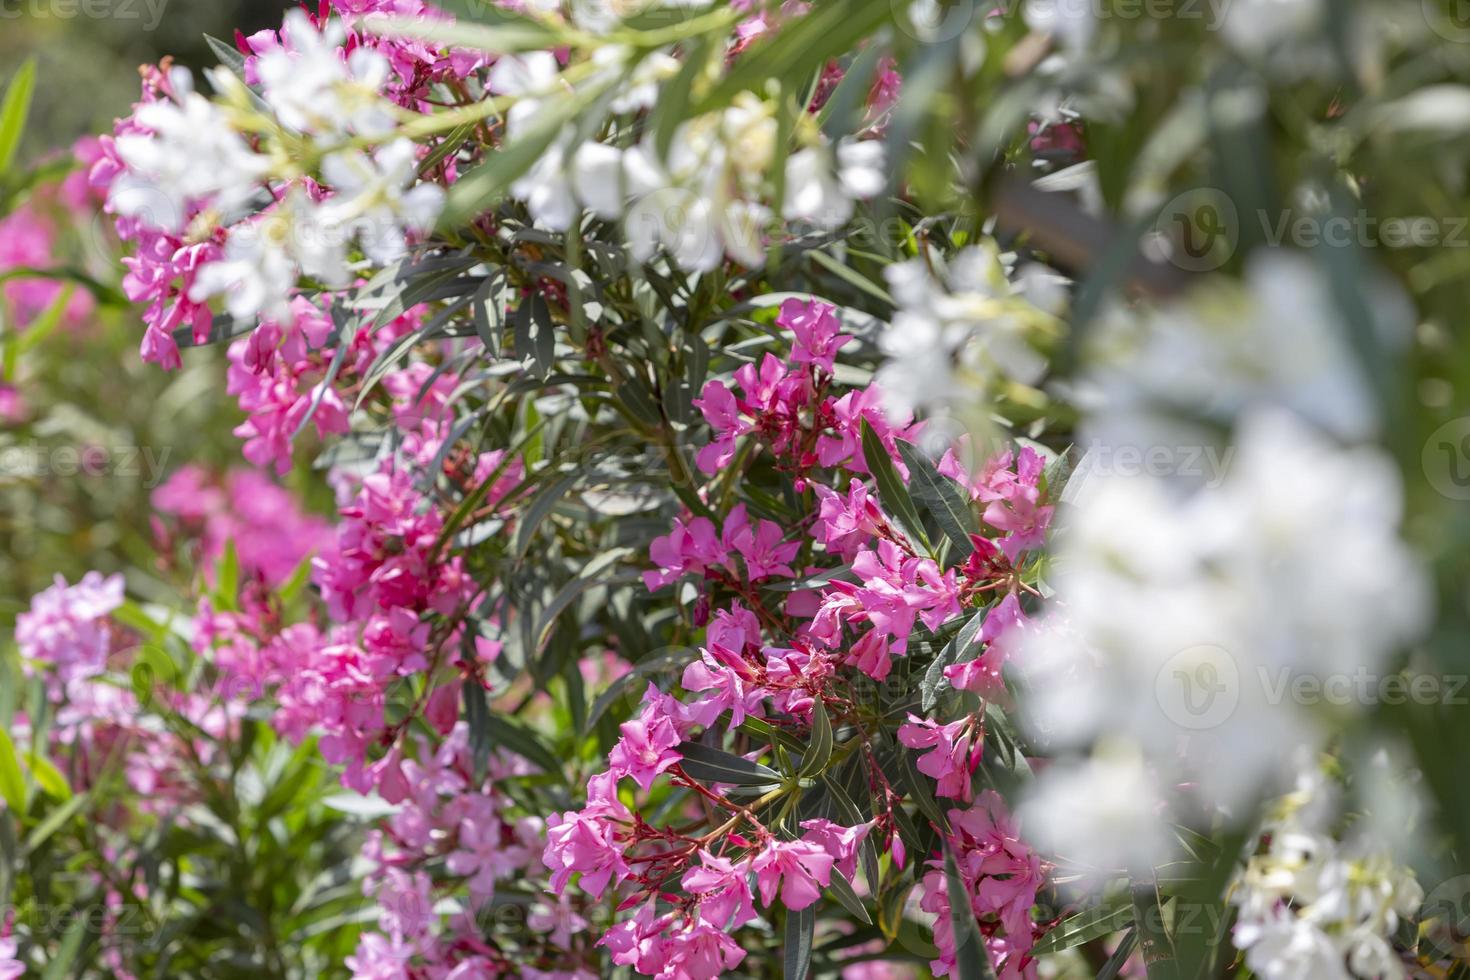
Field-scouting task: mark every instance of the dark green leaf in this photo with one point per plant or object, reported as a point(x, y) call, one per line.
point(941, 498)
point(797, 956)
point(714, 766)
point(891, 491)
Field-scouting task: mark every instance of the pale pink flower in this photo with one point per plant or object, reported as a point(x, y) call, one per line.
point(817, 331)
point(799, 868)
point(724, 890)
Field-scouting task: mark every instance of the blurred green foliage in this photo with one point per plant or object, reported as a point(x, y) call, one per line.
point(88, 53)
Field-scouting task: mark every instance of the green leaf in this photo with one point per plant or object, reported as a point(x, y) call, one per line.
point(934, 682)
point(1120, 956)
point(941, 498)
point(14, 109)
point(715, 766)
point(12, 779)
point(48, 777)
point(511, 35)
point(891, 491)
point(476, 710)
point(54, 821)
point(665, 661)
point(540, 509)
point(819, 750)
point(970, 956)
point(797, 955)
point(61, 966)
point(479, 189)
point(843, 891)
point(1084, 927)
point(801, 46)
point(516, 738)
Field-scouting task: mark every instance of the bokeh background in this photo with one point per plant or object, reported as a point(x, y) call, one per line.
point(88, 52)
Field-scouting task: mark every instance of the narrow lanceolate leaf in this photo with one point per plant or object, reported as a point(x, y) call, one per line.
point(941, 497)
point(934, 683)
point(714, 766)
point(798, 954)
point(12, 780)
point(13, 111)
point(970, 957)
point(507, 734)
point(820, 748)
point(1085, 926)
point(519, 34)
point(843, 891)
point(891, 491)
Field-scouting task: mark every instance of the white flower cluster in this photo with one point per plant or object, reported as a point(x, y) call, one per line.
point(194, 170)
point(707, 197)
point(960, 326)
point(1188, 604)
point(1312, 908)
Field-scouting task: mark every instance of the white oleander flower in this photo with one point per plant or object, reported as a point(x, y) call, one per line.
point(958, 328)
point(313, 88)
point(257, 272)
point(192, 157)
point(378, 197)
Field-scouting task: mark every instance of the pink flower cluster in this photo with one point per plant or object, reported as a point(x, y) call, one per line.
point(1002, 875)
point(261, 520)
point(785, 404)
point(67, 631)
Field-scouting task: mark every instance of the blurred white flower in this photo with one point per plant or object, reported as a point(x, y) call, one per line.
point(316, 88)
point(193, 157)
point(1209, 601)
point(257, 272)
point(958, 328)
point(1280, 340)
point(1312, 907)
point(378, 197)
point(1097, 816)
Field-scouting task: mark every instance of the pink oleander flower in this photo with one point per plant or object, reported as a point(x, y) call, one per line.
point(646, 748)
point(1002, 876)
point(10, 967)
point(729, 678)
point(639, 942)
point(952, 760)
point(1000, 633)
point(735, 629)
point(270, 532)
point(484, 857)
point(689, 548)
point(817, 329)
point(846, 524)
point(725, 901)
point(586, 842)
point(66, 628)
point(1012, 500)
point(27, 241)
point(845, 417)
point(701, 952)
point(720, 409)
point(799, 868)
point(381, 957)
point(843, 843)
point(760, 544)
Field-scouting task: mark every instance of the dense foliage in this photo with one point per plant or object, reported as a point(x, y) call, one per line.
point(863, 489)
